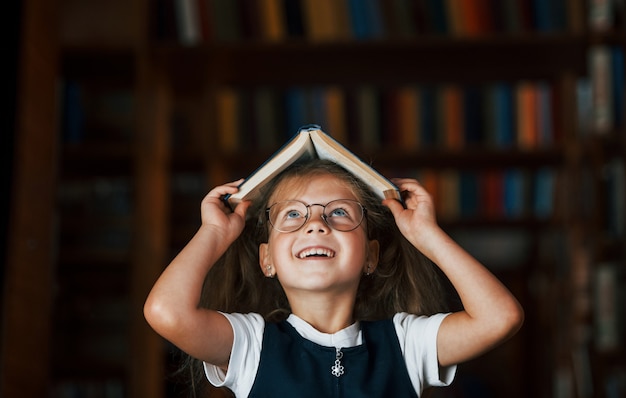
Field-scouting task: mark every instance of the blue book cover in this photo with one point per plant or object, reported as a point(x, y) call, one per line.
point(296, 108)
point(374, 19)
point(514, 193)
point(436, 16)
point(470, 194)
point(73, 119)
point(358, 16)
point(473, 116)
point(429, 116)
point(544, 193)
point(543, 15)
point(504, 115)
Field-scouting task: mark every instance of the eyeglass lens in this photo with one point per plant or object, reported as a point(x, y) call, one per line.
point(290, 215)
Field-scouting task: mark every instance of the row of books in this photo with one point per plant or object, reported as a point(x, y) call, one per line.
point(522, 115)
point(502, 194)
point(96, 214)
point(192, 22)
point(88, 389)
point(95, 113)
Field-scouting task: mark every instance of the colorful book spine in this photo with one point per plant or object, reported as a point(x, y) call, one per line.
point(601, 88)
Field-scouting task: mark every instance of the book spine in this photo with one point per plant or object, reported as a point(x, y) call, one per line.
point(608, 307)
point(73, 117)
point(601, 88)
point(340, 20)
point(618, 71)
point(527, 132)
point(600, 15)
point(188, 22)
point(272, 25)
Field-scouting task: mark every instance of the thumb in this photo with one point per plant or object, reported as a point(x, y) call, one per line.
point(394, 205)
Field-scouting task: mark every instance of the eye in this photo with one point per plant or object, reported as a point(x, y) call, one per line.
point(293, 213)
point(339, 212)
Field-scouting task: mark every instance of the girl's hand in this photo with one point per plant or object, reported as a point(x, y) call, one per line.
point(418, 217)
point(215, 213)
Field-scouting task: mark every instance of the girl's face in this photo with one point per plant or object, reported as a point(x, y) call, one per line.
point(317, 258)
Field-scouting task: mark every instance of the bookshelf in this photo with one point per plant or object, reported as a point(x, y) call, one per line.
point(538, 60)
point(161, 108)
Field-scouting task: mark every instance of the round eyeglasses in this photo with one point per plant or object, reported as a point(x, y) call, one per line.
point(290, 215)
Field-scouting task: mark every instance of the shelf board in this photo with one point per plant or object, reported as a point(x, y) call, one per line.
point(378, 62)
point(390, 158)
point(96, 159)
point(104, 64)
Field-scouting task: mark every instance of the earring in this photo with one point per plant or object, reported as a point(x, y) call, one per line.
point(269, 273)
point(369, 269)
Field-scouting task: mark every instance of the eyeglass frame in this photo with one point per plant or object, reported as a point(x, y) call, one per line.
point(324, 215)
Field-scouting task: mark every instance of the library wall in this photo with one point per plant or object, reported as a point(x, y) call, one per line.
point(510, 113)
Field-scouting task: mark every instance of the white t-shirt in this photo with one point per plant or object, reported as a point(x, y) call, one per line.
point(417, 336)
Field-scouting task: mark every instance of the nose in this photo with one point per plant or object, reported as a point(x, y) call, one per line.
point(316, 221)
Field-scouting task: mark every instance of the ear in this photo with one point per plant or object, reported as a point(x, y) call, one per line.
point(264, 257)
point(373, 248)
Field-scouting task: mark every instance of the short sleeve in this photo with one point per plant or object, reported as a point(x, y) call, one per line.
point(418, 341)
point(245, 355)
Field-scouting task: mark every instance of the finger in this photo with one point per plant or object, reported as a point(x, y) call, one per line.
point(409, 186)
point(242, 208)
point(394, 206)
point(403, 181)
point(235, 183)
point(222, 190)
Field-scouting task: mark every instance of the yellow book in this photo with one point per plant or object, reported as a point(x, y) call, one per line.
point(309, 143)
point(227, 105)
point(408, 113)
point(272, 17)
point(335, 103)
point(452, 117)
point(319, 20)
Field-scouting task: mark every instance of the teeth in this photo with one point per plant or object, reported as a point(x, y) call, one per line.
point(316, 252)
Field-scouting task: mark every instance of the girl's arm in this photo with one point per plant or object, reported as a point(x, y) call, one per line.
point(172, 305)
point(491, 314)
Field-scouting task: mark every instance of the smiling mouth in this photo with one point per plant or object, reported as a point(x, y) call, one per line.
point(317, 252)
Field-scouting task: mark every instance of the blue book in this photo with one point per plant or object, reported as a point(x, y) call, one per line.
point(473, 116)
point(504, 115)
point(358, 16)
point(549, 15)
point(73, 119)
point(470, 194)
point(296, 108)
point(429, 116)
point(374, 19)
point(436, 16)
point(544, 193)
point(514, 193)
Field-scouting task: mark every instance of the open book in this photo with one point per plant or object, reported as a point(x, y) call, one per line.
point(311, 142)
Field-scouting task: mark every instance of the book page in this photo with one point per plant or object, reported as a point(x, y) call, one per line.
point(328, 148)
point(298, 147)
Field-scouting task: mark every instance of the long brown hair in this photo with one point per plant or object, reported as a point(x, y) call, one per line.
point(404, 280)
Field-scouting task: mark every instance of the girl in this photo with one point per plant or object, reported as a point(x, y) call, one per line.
point(315, 291)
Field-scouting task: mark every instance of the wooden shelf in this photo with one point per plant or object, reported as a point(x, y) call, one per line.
point(105, 64)
point(381, 62)
point(104, 159)
point(479, 158)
